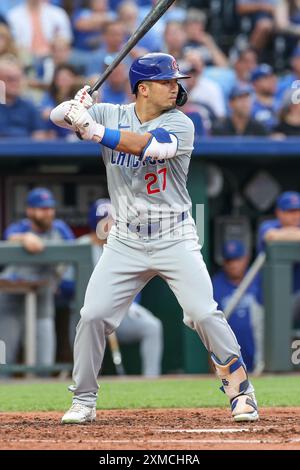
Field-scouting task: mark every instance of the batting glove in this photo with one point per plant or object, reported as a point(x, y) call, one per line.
point(83, 122)
point(83, 97)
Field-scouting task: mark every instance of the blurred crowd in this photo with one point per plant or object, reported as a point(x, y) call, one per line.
point(243, 58)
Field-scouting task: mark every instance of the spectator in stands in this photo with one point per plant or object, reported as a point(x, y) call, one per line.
point(289, 115)
point(198, 38)
point(39, 227)
point(88, 24)
point(64, 86)
point(7, 44)
point(287, 18)
point(174, 40)
point(176, 12)
point(202, 90)
point(286, 82)
point(261, 15)
point(112, 41)
point(240, 123)
point(60, 53)
point(116, 89)
point(18, 116)
point(128, 14)
point(246, 319)
point(244, 64)
point(35, 24)
point(264, 82)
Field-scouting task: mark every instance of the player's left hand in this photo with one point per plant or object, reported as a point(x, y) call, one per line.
point(83, 122)
point(83, 97)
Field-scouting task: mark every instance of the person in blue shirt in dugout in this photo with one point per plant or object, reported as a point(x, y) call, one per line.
point(247, 318)
point(32, 232)
point(285, 227)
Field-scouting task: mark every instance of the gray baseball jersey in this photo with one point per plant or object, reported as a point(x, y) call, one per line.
point(152, 189)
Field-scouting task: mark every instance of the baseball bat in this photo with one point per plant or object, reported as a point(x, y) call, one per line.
point(252, 272)
point(153, 16)
point(116, 353)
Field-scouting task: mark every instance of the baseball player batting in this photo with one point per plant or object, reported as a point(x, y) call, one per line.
point(146, 148)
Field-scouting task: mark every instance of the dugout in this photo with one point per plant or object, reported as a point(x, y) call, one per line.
point(237, 180)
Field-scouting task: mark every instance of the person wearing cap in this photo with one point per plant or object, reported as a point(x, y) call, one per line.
point(39, 226)
point(139, 325)
point(264, 82)
point(247, 318)
point(285, 227)
point(240, 122)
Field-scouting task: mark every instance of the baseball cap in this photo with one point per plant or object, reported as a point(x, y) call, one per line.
point(99, 210)
point(40, 197)
point(290, 200)
point(240, 90)
point(233, 249)
point(261, 71)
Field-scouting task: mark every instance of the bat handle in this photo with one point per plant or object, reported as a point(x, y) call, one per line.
point(68, 120)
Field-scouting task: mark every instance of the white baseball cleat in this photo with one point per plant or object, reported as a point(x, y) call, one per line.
point(79, 414)
point(244, 408)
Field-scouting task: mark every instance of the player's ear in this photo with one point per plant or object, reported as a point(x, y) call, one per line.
point(143, 89)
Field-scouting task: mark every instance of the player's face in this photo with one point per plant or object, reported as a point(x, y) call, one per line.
point(42, 217)
point(289, 218)
point(163, 94)
point(236, 268)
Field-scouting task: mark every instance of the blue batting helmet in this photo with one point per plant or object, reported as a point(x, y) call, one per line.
point(157, 66)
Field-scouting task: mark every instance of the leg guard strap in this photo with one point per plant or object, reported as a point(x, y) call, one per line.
point(233, 375)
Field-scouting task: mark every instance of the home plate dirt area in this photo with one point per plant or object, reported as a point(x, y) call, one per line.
point(153, 429)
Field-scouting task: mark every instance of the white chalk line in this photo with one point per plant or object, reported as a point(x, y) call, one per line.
point(214, 431)
point(156, 441)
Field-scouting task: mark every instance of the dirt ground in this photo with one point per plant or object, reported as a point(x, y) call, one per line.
point(197, 429)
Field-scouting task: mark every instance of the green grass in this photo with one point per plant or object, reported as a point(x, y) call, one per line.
point(162, 393)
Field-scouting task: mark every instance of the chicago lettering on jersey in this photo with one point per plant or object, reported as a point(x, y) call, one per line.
point(131, 161)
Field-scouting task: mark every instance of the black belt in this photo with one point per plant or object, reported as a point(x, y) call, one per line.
point(148, 229)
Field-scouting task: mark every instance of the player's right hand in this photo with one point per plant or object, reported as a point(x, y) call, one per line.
point(83, 97)
point(32, 243)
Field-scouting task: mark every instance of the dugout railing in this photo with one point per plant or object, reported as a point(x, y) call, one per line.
point(55, 253)
point(280, 332)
